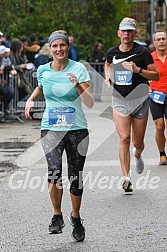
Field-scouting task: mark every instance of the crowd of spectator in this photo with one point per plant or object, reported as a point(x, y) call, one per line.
point(17, 57)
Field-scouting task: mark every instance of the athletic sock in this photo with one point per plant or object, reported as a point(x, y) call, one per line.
point(127, 178)
point(162, 153)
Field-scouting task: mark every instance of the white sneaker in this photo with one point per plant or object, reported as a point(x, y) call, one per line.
point(139, 162)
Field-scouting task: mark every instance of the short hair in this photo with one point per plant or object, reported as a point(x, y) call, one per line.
point(153, 36)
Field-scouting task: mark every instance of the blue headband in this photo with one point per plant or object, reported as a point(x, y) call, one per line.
point(55, 36)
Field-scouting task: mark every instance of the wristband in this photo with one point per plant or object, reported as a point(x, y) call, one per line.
point(140, 70)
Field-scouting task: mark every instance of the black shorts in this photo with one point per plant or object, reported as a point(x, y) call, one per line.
point(74, 142)
point(158, 110)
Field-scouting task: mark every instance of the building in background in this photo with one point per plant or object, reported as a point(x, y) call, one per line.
point(151, 15)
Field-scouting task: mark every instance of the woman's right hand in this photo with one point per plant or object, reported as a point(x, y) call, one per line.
point(28, 106)
point(108, 82)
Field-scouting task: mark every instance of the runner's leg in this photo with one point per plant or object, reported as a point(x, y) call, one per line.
point(123, 127)
point(159, 134)
point(138, 132)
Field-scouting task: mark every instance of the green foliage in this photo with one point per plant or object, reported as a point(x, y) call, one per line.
point(87, 20)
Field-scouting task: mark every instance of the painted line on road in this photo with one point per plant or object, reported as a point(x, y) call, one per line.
point(97, 163)
point(148, 161)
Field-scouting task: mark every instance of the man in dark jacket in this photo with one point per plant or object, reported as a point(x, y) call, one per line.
point(73, 52)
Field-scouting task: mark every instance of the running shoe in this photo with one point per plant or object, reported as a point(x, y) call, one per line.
point(57, 224)
point(139, 162)
point(163, 160)
point(78, 233)
point(127, 185)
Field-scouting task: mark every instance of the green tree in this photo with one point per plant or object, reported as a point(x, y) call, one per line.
point(87, 20)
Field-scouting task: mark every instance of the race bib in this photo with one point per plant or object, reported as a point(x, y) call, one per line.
point(158, 97)
point(123, 77)
point(62, 117)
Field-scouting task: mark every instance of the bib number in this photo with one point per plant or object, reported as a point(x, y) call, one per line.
point(158, 97)
point(62, 117)
point(123, 77)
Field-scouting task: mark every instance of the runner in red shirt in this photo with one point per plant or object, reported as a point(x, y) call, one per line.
point(158, 96)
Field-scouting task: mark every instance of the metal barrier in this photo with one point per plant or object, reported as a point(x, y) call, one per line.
point(16, 113)
point(97, 79)
point(96, 72)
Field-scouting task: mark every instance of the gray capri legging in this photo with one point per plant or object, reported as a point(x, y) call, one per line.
point(75, 143)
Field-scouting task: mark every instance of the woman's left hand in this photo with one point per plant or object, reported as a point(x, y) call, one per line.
point(73, 78)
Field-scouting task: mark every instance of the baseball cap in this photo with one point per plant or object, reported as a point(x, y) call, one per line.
point(4, 49)
point(127, 24)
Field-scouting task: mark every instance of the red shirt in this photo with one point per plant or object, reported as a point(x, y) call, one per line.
point(160, 85)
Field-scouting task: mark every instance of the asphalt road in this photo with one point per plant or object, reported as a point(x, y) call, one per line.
point(113, 221)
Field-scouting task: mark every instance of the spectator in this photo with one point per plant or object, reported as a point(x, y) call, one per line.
point(32, 48)
point(73, 52)
point(148, 29)
point(19, 60)
point(159, 10)
point(43, 41)
point(44, 56)
point(151, 48)
point(4, 41)
point(24, 41)
point(97, 54)
point(7, 41)
point(1, 36)
point(98, 57)
point(6, 94)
